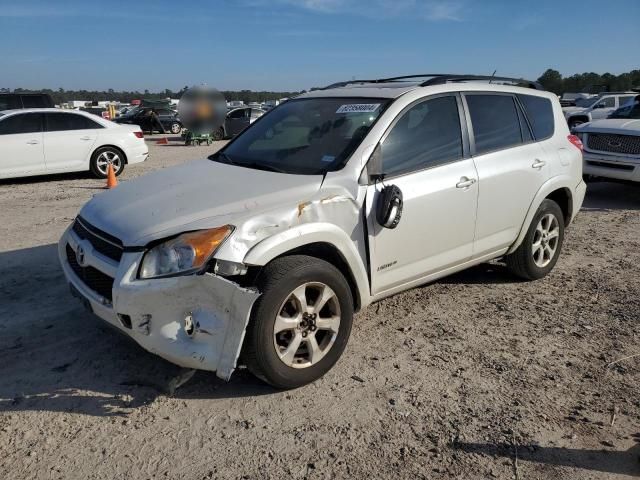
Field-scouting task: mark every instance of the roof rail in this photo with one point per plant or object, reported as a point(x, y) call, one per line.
point(442, 78)
point(447, 78)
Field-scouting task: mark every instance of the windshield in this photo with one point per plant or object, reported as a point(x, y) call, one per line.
point(631, 111)
point(586, 102)
point(307, 136)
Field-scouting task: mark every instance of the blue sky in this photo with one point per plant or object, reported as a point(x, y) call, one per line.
point(296, 44)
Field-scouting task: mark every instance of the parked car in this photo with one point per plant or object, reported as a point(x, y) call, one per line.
point(336, 199)
point(595, 108)
point(43, 141)
point(12, 101)
point(612, 146)
point(236, 121)
point(136, 116)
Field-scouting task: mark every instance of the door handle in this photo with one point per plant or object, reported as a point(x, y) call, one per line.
point(538, 163)
point(85, 138)
point(465, 182)
point(32, 142)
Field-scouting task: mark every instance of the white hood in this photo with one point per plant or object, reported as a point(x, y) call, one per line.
point(200, 194)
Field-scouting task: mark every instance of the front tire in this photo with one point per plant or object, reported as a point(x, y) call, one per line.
point(539, 251)
point(175, 128)
point(301, 323)
point(102, 157)
point(573, 123)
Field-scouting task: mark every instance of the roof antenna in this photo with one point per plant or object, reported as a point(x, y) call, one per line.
point(493, 75)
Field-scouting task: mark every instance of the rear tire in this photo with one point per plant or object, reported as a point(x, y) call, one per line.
point(218, 134)
point(100, 159)
point(539, 251)
point(292, 342)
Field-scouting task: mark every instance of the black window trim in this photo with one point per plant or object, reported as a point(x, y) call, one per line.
point(524, 111)
point(466, 150)
point(45, 120)
point(472, 140)
point(15, 114)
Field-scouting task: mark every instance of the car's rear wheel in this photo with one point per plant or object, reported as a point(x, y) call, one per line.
point(175, 128)
point(574, 122)
point(218, 134)
point(105, 156)
point(301, 323)
point(539, 251)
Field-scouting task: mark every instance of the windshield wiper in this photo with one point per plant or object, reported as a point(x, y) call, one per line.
point(222, 158)
point(261, 166)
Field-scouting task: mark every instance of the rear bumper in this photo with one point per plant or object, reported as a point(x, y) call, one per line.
point(611, 166)
point(138, 153)
point(155, 312)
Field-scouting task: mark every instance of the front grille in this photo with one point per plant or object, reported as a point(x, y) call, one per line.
point(94, 279)
point(102, 242)
point(609, 142)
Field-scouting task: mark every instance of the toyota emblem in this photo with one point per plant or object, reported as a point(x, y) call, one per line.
point(80, 255)
point(615, 144)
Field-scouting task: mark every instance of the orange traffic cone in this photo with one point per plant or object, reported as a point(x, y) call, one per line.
point(163, 141)
point(112, 182)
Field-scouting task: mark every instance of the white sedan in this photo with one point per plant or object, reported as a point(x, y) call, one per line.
point(48, 140)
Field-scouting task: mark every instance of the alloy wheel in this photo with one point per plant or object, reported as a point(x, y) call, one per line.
point(545, 240)
point(307, 325)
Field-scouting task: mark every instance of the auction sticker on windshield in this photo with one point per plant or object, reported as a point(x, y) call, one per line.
point(358, 108)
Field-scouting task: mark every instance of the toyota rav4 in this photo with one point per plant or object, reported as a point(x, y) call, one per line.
point(338, 198)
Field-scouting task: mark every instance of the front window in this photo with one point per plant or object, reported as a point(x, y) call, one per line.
point(307, 136)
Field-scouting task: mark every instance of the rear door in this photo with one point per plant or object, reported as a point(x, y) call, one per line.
point(511, 168)
point(237, 121)
point(21, 145)
point(68, 141)
point(425, 154)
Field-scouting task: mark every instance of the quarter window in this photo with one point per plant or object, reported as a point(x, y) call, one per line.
point(426, 135)
point(21, 123)
point(58, 122)
point(495, 122)
point(540, 114)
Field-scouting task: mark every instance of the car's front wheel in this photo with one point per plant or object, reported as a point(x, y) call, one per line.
point(218, 134)
point(175, 128)
point(102, 158)
point(539, 251)
point(301, 323)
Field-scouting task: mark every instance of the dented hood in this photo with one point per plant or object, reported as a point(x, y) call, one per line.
point(199, 194)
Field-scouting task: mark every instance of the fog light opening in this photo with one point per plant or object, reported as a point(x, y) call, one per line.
point(188, 325)
point(125, 320)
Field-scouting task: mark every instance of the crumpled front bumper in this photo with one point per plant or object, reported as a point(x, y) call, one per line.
point(154, 312)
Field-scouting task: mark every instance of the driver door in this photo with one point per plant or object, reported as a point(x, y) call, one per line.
point(425, 153)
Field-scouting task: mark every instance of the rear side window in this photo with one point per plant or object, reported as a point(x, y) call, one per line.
point(10, 102)
point(495, 122)
point(540, 114)
point(426, 135)
point(21, 123)
point(59, 122)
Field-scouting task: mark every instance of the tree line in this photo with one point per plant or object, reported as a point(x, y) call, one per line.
point(61, 95)
point(589, 82)
point(551, 80)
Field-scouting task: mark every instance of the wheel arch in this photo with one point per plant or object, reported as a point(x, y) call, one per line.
point(111, 145)
point(326, 242)
point(557, 189)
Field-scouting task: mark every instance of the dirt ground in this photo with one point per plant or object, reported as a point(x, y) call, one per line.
point(475, 376)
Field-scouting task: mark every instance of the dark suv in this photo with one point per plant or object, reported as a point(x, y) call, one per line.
point(17, 101)
point(137, 116)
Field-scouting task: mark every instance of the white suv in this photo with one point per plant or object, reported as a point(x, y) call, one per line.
point(329, 202)
point(595, 108)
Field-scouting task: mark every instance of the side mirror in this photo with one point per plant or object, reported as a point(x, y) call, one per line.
point(600, 105)
point(389, 207)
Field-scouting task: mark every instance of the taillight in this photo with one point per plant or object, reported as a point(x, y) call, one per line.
point(575, 140)
point(138, 134)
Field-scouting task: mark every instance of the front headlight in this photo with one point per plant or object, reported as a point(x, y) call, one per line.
point(186, 253)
